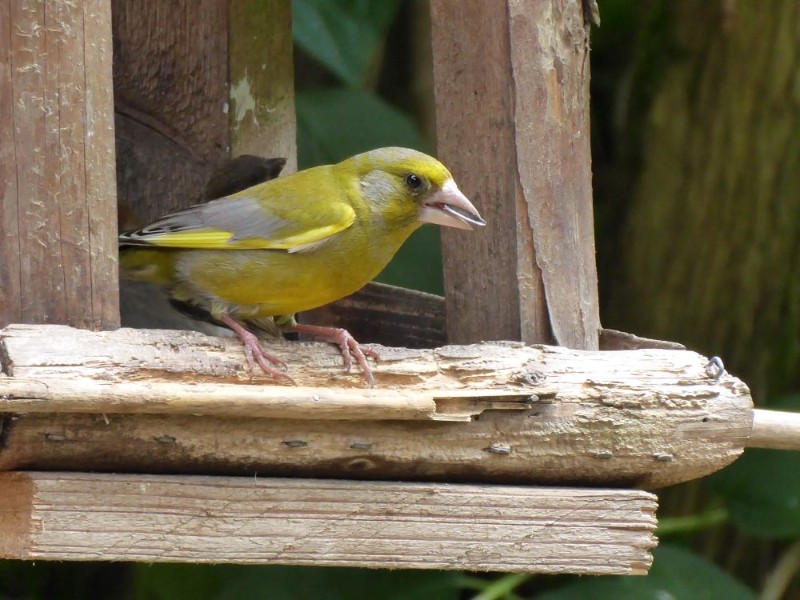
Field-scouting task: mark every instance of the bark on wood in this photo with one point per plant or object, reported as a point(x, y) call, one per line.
point(511, 83)
point(57, 225)
point(58, 516)
point(502, 412)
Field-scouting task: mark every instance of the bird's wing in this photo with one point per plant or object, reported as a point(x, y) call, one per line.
point(245, 222)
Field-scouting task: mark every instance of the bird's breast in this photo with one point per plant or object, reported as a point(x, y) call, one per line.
point(275, 282)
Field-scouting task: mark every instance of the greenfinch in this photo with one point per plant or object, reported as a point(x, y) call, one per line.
point(251, 260)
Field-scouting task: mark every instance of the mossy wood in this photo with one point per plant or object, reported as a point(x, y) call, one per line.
point(181, 402)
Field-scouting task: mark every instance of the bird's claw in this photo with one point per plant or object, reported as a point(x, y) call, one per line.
point(256, 355)
point(348, 346)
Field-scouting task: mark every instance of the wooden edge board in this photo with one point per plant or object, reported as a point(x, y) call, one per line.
point(83, 395)
point(152, 518)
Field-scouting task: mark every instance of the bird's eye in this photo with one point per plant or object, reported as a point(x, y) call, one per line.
point(413, 181)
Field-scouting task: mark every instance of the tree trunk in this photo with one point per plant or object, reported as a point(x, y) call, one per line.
point(715, 223)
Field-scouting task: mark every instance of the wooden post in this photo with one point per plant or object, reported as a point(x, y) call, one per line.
point(261, 67)
point(57, 179)
point(512, 112)
point(170, 85)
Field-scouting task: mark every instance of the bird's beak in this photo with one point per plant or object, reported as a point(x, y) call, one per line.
point(449, 207)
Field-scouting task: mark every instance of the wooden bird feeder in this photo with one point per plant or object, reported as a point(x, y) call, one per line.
point(156, 445)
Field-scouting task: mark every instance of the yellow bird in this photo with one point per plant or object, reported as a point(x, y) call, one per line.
point(253, 259)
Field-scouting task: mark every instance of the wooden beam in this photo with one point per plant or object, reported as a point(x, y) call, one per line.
point(148, 518)
point(57, 181)
point(160, 401)
point(512, 114)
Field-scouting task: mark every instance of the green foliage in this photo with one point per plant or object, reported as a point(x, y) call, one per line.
point(762, 488)
point(333, 124)
point(676, 573)
point(345, 36)
point(196, 582)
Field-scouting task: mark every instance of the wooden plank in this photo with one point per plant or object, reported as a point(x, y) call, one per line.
point(261, 67)
point(58, 221)
point(501, 412)
point(59, 516)
point(69, 395)
point(511, 84)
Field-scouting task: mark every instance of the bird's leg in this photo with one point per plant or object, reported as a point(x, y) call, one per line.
point(347, 344)
point(254, 352)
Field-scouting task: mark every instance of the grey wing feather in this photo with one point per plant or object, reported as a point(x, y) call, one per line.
point(241, 216)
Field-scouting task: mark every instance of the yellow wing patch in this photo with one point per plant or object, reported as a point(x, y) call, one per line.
point(216, 239)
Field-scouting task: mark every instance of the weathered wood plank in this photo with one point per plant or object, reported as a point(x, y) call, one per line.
point(501, 412)
point(511, 83)
point(57, 230)
point(101, 175)
point(10, 250)
point(58, 516)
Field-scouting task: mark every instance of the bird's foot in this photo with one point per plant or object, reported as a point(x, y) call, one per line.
point(255, 353)
point(347, 344)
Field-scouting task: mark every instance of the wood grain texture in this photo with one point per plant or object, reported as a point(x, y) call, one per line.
point(58, 516)
point(262, 115)
point(171, 96)
point(101, 177)
point(159, 401)
point(57, 226)
point(511, 83)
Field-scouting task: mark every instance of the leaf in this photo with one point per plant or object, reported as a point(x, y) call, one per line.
point(762, 488)
point(676, 574)
point(346, 35)
point(232, 582)
point(333, 124)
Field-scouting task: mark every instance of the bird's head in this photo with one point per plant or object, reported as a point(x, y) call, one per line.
point(405, 188)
